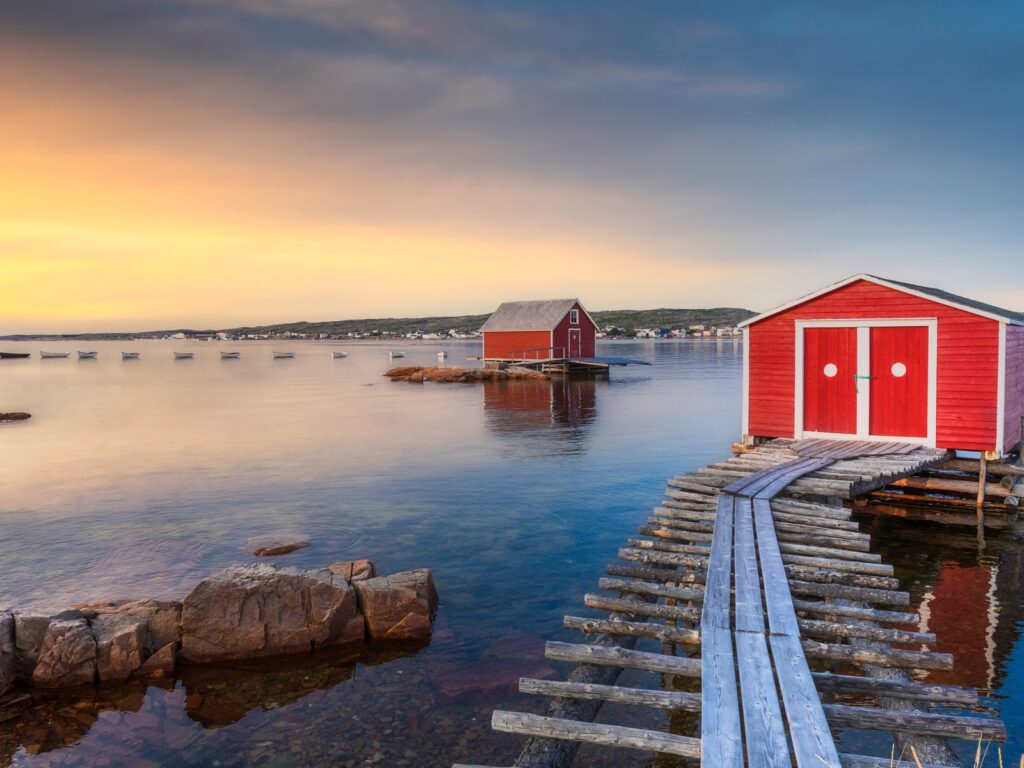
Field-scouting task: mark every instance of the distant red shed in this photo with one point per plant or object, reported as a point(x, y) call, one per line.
point(539, 330)
point(876, 359)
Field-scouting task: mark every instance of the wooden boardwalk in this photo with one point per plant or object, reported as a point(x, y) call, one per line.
point(745, 565)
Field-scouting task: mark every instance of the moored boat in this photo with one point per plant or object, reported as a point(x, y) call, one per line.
point(52, 355)
point(230, 355)
point(13, 355)
point(184, 355)
point(442, 355)
point(87, 355)
point(339, 355)
point(129, 355)
point(393, 355)
point(283, 355)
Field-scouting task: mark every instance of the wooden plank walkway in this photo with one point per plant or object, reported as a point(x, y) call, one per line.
point(744, 576)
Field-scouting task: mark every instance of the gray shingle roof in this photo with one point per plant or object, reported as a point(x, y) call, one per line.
point(528, 315)
point(1009, 314)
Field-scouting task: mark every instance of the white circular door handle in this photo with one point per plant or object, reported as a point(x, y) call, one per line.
point(830, 370)
point(899, 370)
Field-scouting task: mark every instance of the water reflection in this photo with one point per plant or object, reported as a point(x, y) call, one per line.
point(556, 414)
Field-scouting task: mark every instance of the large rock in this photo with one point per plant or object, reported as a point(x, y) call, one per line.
point(29, 630)
point(244, 612)
point(120, 642)
point(8, 663)
point(399, 607)
point(354, 570)
point(334, 617)
point(67, 656)
point(162, 620)
point(161, 663)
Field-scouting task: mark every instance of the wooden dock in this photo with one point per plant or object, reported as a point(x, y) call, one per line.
point(748, 571)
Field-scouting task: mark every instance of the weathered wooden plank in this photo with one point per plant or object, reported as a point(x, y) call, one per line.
point(651, 588)
point(622, 658)
point(856, 612)
point(895, 689)
point(781, 616)
point(719, 569)
point(918, 723)
point(660, 632)
point(720, 710)
point(641, 697)
point(640, 608)
point(880, 656)
point(594, 733)
point(763, 727)
point(749, 613)
point(813, 745)
point(830, 629)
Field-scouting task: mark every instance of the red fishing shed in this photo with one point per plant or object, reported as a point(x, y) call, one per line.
point(554, 329)
point(875, 359)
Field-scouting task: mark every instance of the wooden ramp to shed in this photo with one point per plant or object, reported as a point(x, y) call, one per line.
point(744, 578)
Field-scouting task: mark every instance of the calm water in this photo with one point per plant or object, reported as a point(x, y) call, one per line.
point(139, 478)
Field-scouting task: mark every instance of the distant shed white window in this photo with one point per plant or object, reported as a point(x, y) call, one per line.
point(574, 316)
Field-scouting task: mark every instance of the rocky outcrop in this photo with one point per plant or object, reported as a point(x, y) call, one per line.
point(354, 570)
point(67, 656)
point(243, 612)
point(450, 375)
point(8, 664)
point(399, 607)
point(120, 645)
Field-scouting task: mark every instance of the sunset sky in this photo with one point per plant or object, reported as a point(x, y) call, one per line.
point(210, 163)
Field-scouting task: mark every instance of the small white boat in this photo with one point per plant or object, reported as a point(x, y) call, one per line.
point(86, 355)
point(230, 355)
point(283, 355)
point(129, 355)
point(442, 355)
point(184, 355)
point(339, 355)
point(52, 355)
point(393, 355)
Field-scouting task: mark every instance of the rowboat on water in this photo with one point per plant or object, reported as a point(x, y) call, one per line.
point(230, 355)
point(393, 355)
point(339, 355)
point(52, 355)
point(283, 355)
point(86, 355)
point(184, 355)
point(442, 355)
point(129, 355)
point(13, 355)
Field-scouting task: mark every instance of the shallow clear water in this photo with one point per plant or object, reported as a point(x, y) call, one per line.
point(138, 478)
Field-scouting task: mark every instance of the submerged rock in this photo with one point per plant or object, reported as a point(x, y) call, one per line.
point(67, 656)
point(399, 607)
point(268, 546)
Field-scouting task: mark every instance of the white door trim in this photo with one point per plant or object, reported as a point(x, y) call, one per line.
point(864, 369)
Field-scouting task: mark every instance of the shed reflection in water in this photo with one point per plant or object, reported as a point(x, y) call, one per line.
point(556, 413)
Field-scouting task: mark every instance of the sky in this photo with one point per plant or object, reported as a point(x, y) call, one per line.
point(213, 163)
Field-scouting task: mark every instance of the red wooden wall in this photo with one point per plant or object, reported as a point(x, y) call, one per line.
point(968, 362)
point(588, 334)
point(506, 344)
point(1014, 385)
